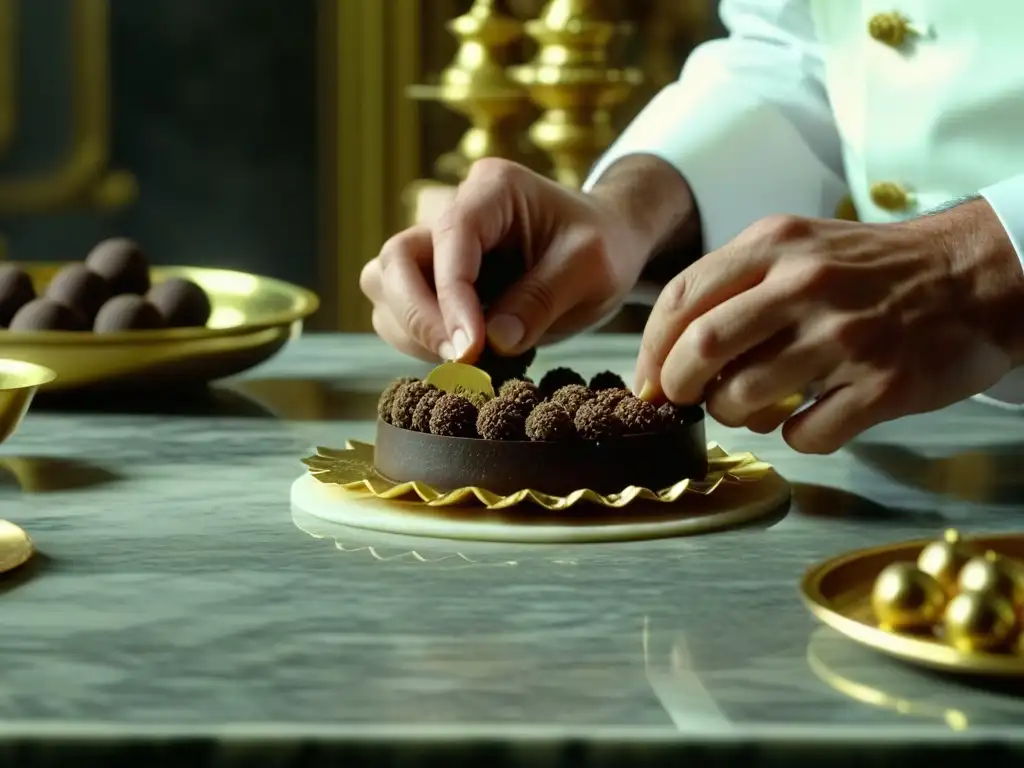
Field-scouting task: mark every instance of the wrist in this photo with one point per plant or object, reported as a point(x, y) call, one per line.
point(983, 259)
point(651, 199)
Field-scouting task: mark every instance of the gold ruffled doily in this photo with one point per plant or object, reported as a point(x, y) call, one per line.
point(352, 469)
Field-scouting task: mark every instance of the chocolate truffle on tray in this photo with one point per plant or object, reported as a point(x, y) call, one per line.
point(16, 291)
point(613, 396)
point(182, 303)
point(501, 419)
point(606, 380)
point(556, 378)
point(45, 314)
point(406, 399)
point(597, 421)
point(387, 397)
point(524, 393)
point(424, 408)
point(80, 288)
point(550, 422)
point(572, 396)
point(453, 416)
point(637, 416)
point(128, 312)
point(122, 264)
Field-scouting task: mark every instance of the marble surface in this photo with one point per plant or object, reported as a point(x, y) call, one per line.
point(179, 612)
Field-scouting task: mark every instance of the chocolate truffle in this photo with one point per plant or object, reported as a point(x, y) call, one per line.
point(453, 416)
point(15, 292)
point(501, 368)
point(613, 396)
point(424, 408)
point(572, 396)
point(673, 415)
point(127, 312)
point(501, 419)
point(638, 417)
point(45, 314)
point(524, 393)
point(596, 421)
point(387, 397)
point(182, 303)
point(406, 399)
point(122, 264)
point(78, 287)
point(556, 378)
point(607, 380)
point(550, 422)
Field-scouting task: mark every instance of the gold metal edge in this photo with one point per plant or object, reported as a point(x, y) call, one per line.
point(369, 142)
point(921, 652)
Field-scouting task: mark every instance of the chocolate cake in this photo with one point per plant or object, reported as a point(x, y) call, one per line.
point(558, 437)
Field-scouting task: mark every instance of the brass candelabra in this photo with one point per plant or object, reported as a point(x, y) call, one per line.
point(477, 86)
point(575, 84)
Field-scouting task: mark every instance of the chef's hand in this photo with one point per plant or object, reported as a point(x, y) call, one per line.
point(583, 254)
point(882, 320)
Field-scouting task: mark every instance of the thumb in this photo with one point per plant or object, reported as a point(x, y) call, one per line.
point(524, 313)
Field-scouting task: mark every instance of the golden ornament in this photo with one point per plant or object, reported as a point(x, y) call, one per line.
point(352, 469)
point(461, 379)
point(991, 572)
point(944, 558)
point(980, 621)
point(906, 598)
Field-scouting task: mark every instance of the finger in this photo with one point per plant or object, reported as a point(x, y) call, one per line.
point(535, 302)
point(482, 214)
point(391, 331)
point(835, 419)
point(409, 298)
point(710, 343)
point(768, 377)
point(369, 281)
point(715, 278)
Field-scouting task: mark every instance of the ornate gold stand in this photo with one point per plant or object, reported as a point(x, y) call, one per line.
point(476, 85)
point(571, 79)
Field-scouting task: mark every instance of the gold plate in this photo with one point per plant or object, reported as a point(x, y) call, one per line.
point(253, 318)
point(838, 592)
point(15, 546)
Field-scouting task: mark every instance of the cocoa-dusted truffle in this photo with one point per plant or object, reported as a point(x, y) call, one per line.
point(424, 408)
point(572, 396)
point(525, 394)
point(556, 378)
point(596, 421)
point(550, 422)
point(182, 303)
point(122, 264)
point(16, 291)
point(404, 404)
point(387, 397)
point(673, 415)
point(613, 396)
point(606, 380)
point(78, 287)
point(453, 416)
point(45, 314)
point(638, 417)
point(127, 312)
point(501, 419)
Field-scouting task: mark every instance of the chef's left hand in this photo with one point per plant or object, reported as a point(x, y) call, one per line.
point(882, 320)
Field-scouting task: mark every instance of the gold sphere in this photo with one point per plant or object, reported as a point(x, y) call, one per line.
point(990, 572)
point(943, 559)
point(906, 598)
point(980, 621)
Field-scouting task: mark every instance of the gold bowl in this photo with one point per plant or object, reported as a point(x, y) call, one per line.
point(19, 382)
point(253, 318)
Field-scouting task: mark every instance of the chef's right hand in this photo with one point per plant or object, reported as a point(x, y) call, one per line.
point(582, 255)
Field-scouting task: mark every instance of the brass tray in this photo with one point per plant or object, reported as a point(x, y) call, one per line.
point(838, 592)
point(253, 318)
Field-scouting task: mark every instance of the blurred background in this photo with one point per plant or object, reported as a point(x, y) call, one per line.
point(291, 137)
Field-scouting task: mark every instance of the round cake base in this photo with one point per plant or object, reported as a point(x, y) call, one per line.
point(728, 506)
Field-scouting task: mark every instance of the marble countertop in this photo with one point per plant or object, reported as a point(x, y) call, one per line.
point(177, 607)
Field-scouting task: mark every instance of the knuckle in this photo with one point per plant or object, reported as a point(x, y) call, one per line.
point(539, 296)
point(494, 170)
point(808, 274)
point(704, 339)
point(743, 389)
point(673, 295)
point(782, 228)
point(416, 326)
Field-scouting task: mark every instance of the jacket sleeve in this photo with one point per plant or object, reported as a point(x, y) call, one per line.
point(1007, 200)
point(748, 122)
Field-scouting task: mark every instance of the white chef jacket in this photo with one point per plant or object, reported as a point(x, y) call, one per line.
point(806, 105)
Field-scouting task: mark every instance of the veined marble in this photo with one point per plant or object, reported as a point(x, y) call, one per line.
point(179, 612)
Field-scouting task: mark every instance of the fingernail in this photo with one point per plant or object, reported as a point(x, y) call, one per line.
point(447, 352)
point(505, 331)
point(460, 343)
point(647, 390)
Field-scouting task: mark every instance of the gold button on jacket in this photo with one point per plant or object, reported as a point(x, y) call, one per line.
point(890, 196)
point(889, 28)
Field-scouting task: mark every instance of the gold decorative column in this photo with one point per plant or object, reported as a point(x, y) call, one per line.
point(571, 79)
point(476, 86)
